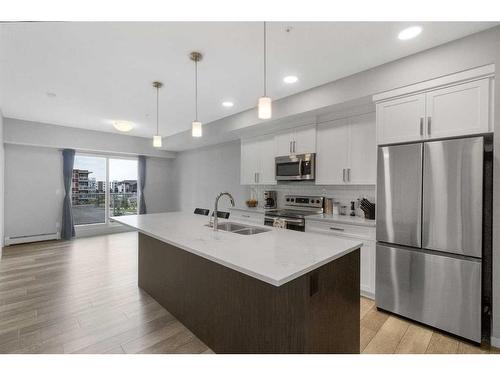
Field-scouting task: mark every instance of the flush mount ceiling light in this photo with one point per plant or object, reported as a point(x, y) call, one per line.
point(123, 126)
point(264, 105)
point(290, 79)
point(51, 94)
point(196, 126)
point(409, 32)
point(157, 138)
point(227, 104)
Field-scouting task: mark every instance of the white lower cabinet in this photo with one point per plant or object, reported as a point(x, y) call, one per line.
point(367, 252)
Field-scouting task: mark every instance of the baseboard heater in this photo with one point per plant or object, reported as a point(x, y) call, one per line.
point(32, 238)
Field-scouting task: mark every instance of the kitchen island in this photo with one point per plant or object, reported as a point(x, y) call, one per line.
point(279, 291)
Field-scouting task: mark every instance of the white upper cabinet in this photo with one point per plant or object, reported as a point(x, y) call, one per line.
point(458, 110)
point(249, 163)
point(332, 152)
point(300, 140)
point(401, 120)
point(305, 140)
point(267, 154)
point(448, 106)
point(257, 161)
point(362, 150)
point(284, 142)
point(347, 151)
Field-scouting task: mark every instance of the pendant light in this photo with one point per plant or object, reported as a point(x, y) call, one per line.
point(264, 104)
point(157, 138)
point(196, 126)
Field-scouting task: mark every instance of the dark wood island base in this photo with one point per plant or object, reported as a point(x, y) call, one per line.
point(235, 313)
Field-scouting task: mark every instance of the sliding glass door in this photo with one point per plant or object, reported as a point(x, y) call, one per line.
point(123, 187)
point(103, 187)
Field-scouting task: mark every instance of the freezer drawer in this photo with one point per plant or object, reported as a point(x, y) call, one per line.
point(441, 291)
point(453, 196)
point(399, 194)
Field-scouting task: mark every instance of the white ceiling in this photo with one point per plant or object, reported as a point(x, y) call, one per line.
point(103, 71)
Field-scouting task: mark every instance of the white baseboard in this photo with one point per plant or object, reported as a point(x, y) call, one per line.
point(100, 229)
point(366, 294)
point(495, 342)
point(32, 238)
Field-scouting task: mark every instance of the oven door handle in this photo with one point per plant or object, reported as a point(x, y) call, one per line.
point(299, 222)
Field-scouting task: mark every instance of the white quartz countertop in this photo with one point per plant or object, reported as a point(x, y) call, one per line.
point(353, 220)
point(275, 257)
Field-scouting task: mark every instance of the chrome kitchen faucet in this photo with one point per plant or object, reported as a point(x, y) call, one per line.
point(216, 218)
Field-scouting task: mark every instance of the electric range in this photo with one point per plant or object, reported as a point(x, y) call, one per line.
point(292, 216)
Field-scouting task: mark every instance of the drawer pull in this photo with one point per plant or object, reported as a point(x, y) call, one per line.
point(337, 229)
point(245, 215)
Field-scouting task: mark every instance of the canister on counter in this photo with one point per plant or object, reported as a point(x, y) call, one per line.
point(328, 209)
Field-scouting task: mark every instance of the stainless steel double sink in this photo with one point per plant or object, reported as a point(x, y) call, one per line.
point(232, 227)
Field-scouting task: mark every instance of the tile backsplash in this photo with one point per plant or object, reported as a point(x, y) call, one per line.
point(341, 193)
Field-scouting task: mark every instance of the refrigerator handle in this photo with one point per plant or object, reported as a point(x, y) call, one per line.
point(429, 125)
point(421, 126)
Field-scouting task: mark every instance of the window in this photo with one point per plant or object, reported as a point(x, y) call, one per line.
point(89, 174)
point(103, 187)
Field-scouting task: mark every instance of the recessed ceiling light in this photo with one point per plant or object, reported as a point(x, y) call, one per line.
point(409, 32)
point(51, 94)
point(290, 79)
point(123, 126)
point(227, 104)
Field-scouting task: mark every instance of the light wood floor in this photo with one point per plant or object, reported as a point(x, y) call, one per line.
point(82, 297)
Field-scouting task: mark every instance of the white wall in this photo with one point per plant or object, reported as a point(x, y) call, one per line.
point(202, 173)
point(31, 133)
point(33, 190)
point(160, 185)
point(2, 164)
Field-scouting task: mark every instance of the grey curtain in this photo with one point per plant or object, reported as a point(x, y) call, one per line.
point(67, 228)
point(142, 184)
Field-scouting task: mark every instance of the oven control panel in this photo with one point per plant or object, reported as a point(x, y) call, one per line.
point(303, 201)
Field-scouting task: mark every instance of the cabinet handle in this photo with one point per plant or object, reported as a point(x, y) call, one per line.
point(258, 177)
point(245, 215)
point(337, 229)
point(429, 125)
point(290, 147)
point(255, 177)
point(421, 126)
point(349, 174)
point(294, 147)
point(343, 174)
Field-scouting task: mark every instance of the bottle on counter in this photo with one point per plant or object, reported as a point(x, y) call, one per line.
point(353, 209)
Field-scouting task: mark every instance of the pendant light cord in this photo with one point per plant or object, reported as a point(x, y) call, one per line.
point(265, 60)
point(196, 89)
point(157, 111)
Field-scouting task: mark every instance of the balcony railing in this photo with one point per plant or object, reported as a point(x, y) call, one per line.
point(90, 208)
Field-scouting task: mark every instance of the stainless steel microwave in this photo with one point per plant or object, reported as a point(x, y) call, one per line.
point(295, 167)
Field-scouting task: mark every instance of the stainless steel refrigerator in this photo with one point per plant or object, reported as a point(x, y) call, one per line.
point(433, 258)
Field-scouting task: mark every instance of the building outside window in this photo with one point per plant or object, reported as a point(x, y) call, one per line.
point(92, 202)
